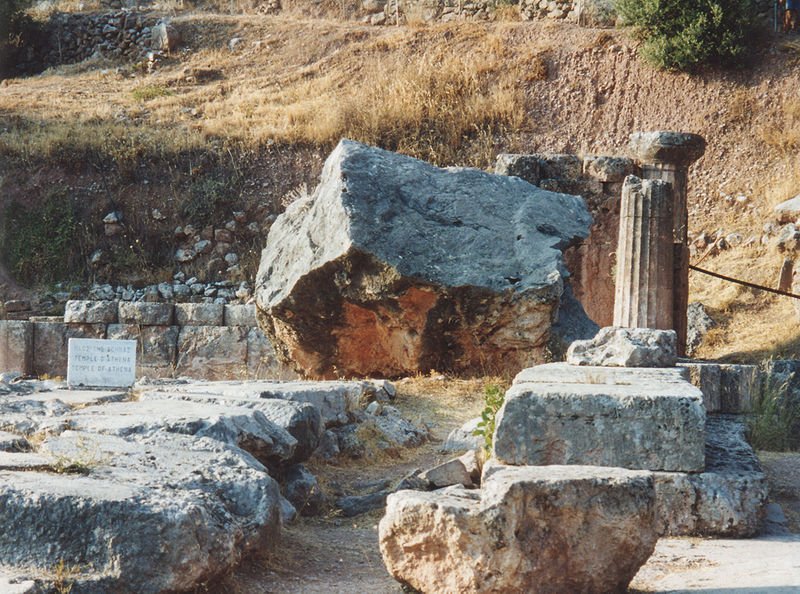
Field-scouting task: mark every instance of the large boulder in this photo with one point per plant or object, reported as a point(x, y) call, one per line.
point(394, 266)
point(529, 529)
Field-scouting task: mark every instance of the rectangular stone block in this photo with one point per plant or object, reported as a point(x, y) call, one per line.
point(145, 314)
point(241, 315)
point(212, 352)
point(199, 314)
point(706, 376)
point(16, 346)
point(50, 341)
point(640, 419)
point(738, 386)
point(90, 312)
point(157, 347)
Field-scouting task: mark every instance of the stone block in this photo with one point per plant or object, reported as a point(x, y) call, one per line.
point(50, 344)
point(643, 423)
point(212, 352)
point(157, 349)
point(529, 529)
point(609, 169)
point(90, 312)
point(738, 387)
point(727, 500)
point(523, 166)
point(241, 315)
point(706, 376)
point(16, 346)
point(145, 313)
point(199, 314)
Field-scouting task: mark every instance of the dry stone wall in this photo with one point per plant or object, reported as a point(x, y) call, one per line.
point(196, 340)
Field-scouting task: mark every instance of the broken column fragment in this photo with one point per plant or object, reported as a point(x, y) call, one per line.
point(394, 266)
point(666, 156)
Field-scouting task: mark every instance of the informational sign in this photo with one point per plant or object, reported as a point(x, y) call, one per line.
point(93, 362)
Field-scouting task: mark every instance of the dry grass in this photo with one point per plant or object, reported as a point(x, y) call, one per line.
point(783, 131)
point(442, 93)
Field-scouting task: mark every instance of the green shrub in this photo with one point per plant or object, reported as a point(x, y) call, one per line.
point(686, 34)
point(41, 243)
point(494, 397)
point(15, 26)
point(774, 417)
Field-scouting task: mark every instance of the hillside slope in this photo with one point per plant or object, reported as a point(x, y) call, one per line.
point(226, 126)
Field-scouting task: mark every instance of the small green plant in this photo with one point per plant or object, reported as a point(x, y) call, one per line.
point(774, 417)
point(686, 34)
point(494, 397)
point(150, 92)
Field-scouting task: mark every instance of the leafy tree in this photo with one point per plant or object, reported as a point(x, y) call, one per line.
point(14, 26)
point(686, 34)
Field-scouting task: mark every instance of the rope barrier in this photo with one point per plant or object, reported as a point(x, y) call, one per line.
point(745, 283)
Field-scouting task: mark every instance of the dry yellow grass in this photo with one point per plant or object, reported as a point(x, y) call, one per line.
point(443, 93)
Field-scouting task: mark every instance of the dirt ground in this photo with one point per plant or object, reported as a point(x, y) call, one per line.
point(333, 554)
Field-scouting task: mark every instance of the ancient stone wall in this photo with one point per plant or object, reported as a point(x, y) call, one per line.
point(196, 340)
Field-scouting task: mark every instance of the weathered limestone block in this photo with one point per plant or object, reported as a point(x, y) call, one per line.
point(706, 376)
point(165, 513)
point(300, 419)
point(727, 499)
point(16, 346)
point(395, 266)
point(212, 352)
point(738, 387)
point(526, 167)
point(246, 428)
point(463, 438)
point(262, 363)
point(643, 423)
point(528, 530)
point(335, 400)
point(157, 347)
point(51, 341)
point(626, 347)
point(609, 169)
point(199, 314)
point(145, 313)
point(241, 315)
point(90, 312)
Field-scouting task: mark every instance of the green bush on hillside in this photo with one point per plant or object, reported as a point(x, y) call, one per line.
point(686, 34)
point(14, 27)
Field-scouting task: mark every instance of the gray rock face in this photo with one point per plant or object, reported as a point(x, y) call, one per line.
point(395, 266)
point(205, 502)
point(240, 315)
point(303, 491)
point(529, 529)
point(246, 428)
point(212, 352)
point(595, 417)
point(464, 438)
point(698, 325)
point(626, 347)
point(300, 419)
point(199, 314)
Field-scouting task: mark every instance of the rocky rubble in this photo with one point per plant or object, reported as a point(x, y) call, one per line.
point(165, 488)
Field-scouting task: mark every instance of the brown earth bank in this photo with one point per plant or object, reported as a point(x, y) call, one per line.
point(212, 130)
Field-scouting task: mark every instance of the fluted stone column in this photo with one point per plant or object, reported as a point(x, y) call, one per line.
point(644, 282)
point(666, 156)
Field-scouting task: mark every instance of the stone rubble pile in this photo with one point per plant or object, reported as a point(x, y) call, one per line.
point(165, 488)
point(586, 459)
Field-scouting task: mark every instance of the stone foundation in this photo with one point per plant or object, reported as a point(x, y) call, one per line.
point(201, 341)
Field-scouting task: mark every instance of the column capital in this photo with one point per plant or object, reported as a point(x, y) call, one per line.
point(662, 146)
